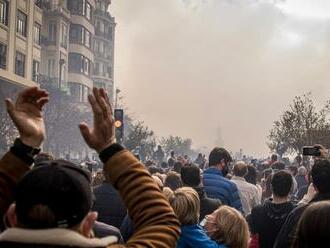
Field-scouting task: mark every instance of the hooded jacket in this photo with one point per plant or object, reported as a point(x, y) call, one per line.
point(193, 236)
point(266, 220)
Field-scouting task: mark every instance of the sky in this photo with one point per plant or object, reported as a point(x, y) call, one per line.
point(220, 71)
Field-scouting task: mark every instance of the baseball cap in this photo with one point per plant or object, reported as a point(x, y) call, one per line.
point(56, 194)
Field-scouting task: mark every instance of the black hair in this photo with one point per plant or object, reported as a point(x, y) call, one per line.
point(281, 183)
point(217, 155)
point(321, 175)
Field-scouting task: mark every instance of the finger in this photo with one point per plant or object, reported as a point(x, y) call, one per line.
point(41, 102)
point(103, 104)
point(85, 132)
point(107, 100)
point(10, 108)
point(95, 106)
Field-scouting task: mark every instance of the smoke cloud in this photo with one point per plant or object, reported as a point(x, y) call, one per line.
point(210, 68)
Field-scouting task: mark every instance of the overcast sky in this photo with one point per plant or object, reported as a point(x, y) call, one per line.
point(209, 68)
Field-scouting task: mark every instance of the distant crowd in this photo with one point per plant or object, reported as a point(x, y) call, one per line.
point(169, 201)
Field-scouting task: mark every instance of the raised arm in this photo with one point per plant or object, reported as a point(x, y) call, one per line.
point(26, 114)
point(155, 223)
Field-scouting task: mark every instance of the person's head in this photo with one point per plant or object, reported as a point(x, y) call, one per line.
point(164, 165)
point(228, 226)
point(42, 157)
point(293, 170)
point(55, 195)
point(278, 166)
point(167, 192)
point(302, 171)
point(191, 176)
point(177, 167)
point(173, 180)
point(240, 169)
point(313, 226)
point(172, 154)
point(155, 169)
point(159, 147)
point(273, 158)
point(220, 158)
point(251, 176)
point(186, 205)
point(158, 181)
point(321, 175)
point(281, 183)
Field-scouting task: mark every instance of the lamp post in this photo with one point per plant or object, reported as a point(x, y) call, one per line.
point(117, 93)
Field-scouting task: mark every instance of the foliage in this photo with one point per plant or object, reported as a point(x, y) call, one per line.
point(300, 125)
point(177, 144)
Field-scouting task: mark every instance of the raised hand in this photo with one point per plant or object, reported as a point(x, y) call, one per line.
point(26, 114)
point(102, 135)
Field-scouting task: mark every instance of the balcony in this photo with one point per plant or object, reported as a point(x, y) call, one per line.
point(104, 14)
point(56, 9)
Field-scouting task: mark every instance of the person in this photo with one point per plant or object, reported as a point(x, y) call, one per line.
point(320, 175)
point(159, 154)
point(301, 177)
point(214, 181)
point(108, 203)
point(191, 177)
point(185, 203)
point(200, 161)
point(252, 177)
point(177, 167)
point(171, 159)
point(227, 226)
point(173, 180)
point(248, 192)
point(293, 170)
point(53, 202)
point(273, 159)
point(266, 220)
point(313, 227)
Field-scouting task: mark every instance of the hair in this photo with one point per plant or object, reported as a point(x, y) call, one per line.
point(177, 167)
point(321, 175)
point(293, 169)
point(278, 166)
point(168, 193)
point(313, 226)
point(232, 228)
point(191, 175)
point(281, 183)
point(42, 157)
point(302, 171)
point(217, 155)
point(158, 181)
point(186, 205)
point(155, 169)
point(252, 174)
point(274, 157)
point(173, 180)
point(240, 169)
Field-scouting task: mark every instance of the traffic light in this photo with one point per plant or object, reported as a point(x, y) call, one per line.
point(119, 124)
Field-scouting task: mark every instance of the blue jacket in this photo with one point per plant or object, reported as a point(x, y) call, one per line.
point(193, 236)
point(218, 187)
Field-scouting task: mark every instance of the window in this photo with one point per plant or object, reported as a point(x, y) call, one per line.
point(75, 91)
point(64, 37)
point(20, 64)
point(52, 32)
point(87, 38)
point(38, 3)
point(50, 68)
point(96, 68)
point(80, 35)
point(88, 11)
point(79, 63)
point(101, 47)
point(4, 12)
point(35, 71)
point(21, 23)
point(36, 33)
point(3, 56)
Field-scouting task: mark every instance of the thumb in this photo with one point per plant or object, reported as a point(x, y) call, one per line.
point(85, 132)
point(10, 107)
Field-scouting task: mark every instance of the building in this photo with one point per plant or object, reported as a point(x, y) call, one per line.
point(20, 43)
point(70, 42)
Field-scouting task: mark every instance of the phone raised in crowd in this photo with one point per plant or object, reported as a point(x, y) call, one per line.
point(311, 151)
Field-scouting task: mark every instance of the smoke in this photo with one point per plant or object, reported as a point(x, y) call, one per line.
point(191, 68)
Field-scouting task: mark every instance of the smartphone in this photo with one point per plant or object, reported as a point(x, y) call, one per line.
point(311, 151)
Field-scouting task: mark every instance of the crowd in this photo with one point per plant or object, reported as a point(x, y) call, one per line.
point(173, 201)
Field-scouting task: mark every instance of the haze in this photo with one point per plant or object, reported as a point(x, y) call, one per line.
point(220, 72)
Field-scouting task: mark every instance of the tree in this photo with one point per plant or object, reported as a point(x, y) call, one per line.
point(300, 125)
point(177, 144)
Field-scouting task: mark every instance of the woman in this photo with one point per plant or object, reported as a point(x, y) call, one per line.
point(228, 226)
point(186, 205)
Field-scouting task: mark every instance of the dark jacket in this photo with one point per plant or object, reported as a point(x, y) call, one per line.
point(207, 205)
point(267, 219)
point(301, 181)
point(218, 187)
point(286, 235)
point(109, 205)
point(153, 217)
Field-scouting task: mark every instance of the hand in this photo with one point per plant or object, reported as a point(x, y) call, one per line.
point(102, 135)
point(311, 192)
point(26, 114)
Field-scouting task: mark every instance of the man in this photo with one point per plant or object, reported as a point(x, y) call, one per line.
point(171, 161)
point(215, 183)
point(191, 177)
point(266, 220)
point(248, 192)
point(159, 155)
point(53, 202)
point(320, 175)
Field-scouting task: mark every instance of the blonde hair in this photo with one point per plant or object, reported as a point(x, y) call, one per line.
point(186, 205)
point(231, 228)
point(168, 193)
